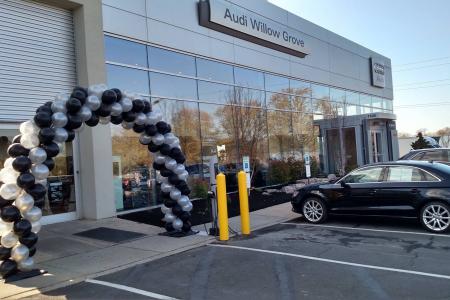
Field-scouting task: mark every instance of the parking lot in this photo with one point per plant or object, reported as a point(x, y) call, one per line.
point(346, 258)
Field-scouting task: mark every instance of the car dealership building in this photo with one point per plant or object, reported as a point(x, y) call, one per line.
point(235, 79)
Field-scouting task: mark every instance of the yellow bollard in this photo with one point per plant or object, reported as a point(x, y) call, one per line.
point(222, 207)
point(243, 202)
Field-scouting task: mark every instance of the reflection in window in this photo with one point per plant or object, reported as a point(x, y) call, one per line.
point(125, 52)
point(170, 61)
point(377, 102)
point(276, 83)
point(248, 78)
point(330, 109)
point(215, 92)
point(280, 134)
point(337, 95)
point(301, 104)
point(172, 87)
point(366, 110)
point(247, 97)
point(300, 88)
point(388, 105)
point(320, 92)
point(128, 79)
point(352, 109)
point(352, 98)
point(278, 101)
point(212, 70)
point(365, 100)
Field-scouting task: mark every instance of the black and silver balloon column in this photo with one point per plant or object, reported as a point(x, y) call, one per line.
point(23, 180)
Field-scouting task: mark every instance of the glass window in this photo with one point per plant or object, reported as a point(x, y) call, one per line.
point(276, 83)
point(127, 79)
point(365, 110)
point(215, 92)
point(337, 95)
point(387, 104)
point(352, 109)
point(305, 136)
point(320, 92)
point(278, 101)
point(365, 100)
point(213, 70)
point(364, 175)
point(247, 97)
point(437, 155)
point(352, 98)
point(248, 78)
point(301, 104)
point(300, 88)
point(125, 52)
point(408, 174)
point(377, 102)
point(170, 61)
point(172, 86)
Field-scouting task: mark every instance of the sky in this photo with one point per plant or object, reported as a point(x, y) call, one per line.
point(414, 34)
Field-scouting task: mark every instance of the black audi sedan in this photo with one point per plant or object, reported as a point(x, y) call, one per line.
point(403, 188)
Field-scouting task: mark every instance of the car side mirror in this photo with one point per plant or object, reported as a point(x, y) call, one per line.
point(344, 185)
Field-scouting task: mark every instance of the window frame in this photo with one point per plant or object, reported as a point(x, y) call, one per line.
point(381, 177)
point(387, 169)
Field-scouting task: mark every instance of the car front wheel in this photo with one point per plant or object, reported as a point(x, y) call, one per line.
point(435, 217)
point(314, 210)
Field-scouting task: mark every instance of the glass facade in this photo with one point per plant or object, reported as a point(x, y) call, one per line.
point(225, 111)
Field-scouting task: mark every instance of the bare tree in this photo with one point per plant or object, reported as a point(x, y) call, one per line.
point(444, 135)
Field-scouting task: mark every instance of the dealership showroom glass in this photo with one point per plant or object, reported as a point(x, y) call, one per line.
point(234, 79)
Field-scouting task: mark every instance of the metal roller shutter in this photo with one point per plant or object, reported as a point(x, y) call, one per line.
point(37, 56)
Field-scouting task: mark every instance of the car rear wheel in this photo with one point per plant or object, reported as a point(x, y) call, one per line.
point(314, 210)
point(435, 217)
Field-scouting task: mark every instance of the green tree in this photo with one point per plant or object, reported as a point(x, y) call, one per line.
point(420, 143)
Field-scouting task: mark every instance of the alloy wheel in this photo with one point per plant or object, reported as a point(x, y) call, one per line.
point(436, 217)
point(313, 210)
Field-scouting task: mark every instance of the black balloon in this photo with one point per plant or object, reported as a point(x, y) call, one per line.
point(147, 107)
point(165, 149)
point(138, 128)
point(22, 227)
point(109, 97)
point(10, 213)
point(21, 164)
point(162, 127)
point(17, 149)
point(39, 202)
point(29, 240)
point(181, 185)
point(173, 179)
point(118, 93)
point(16, 139)
point(170, 202)
point(169, 227)
point(46, 135)
point(186, 226)
point(151, 130)
point(138, 105)
point(185, 191)
point(73, 122)
point(50, 163)
point(48, 104)
point(93, 121)
point(4, 202)
point(73, 105)
point(45, 109)
point(81, 89)
point(32, 251)
point(177, 210)
point(70, 136)
point(165, 195)
point(166, 172)
point(104, 110)
point(25, 180)
point(175, 152)
point(152, 147)
point(180, 159)
point(158, 166)
point(184, 216)
point(51, 149)
point(5, 253)
point(37, 191)
point(43, 119)
point(80, 95)
point(116, 120)
point(8, 268)
point(129, 116)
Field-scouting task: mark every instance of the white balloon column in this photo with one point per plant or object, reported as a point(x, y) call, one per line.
point(23, 180)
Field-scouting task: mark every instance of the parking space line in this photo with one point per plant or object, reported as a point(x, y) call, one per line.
point(367, 229)
point(130, 289)
point(340, 262)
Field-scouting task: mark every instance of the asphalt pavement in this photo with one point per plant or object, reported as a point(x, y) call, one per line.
point(346, 258)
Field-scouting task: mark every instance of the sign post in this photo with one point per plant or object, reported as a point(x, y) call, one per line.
point(307, 160)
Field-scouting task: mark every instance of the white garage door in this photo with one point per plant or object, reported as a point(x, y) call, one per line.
point(37, 56)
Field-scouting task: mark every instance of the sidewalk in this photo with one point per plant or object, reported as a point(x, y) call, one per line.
point(70, 258)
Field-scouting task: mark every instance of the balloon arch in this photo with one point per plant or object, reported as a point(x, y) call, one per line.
point(23, 179)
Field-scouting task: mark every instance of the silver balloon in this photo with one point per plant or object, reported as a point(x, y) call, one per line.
point(28, 127)
point(9, 191)
point(93, 102)
point(5, 227)
point(160, 159)
point(104, 120)
point(40, 171)
point(127, 125)
point(162, 179)
point(59, 106)
point(179, 169)
point(166, 187)
point(8, 163)
point(85, 113)
point(177, 224)
point(24, 202)
point(33, 215)
point(95, 90)
point(61, 135)
point(158, 115)
point(8, 175)
point(19, 252)
point(116, 109)
point(183, 176)
point(9, 240)
point(62, 97)
point(170, 163)
point(59, 119)
point(152, 118)
point(188, 207)
point(145, 139)
point(43, 182)
point(36, 226)
point(140, 119)
point(175, 194)
point(169, 217)
point(126, 104)
point(158, 139)
point(38, 155)
point(29, 141)
point(164, 209)
point(169, 138)
point(26, 265)
point(183, 200)
point(103, 87)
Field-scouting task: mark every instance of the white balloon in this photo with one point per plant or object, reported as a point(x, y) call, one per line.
point(59, 106)
point(28, 127)
point(85, 113)
point(8, 162)
point(158, 115)
point(59, 119)
point(9, 240)
point(160, 159)
point(188, 207)
point(183, 176)
point(5, 227)
point(152, 118)
point(126, 104)
point(177, 224)
point(8, 175)
point(38, 155)
point(103, 87)
point(61, 135)
point(158, 139)
point(36, 226)
point(179, 169)
point(104, 120)
point(127, 125)
point(26, 265)
point(9, 191)
point(140, 119)
point(95, 90)
point(62, 97)
point(93, 102)
point(170, 163)
point(20, 252)
point(169, 138)
point(184, 200)
point(145, 139)
point(29, 141)
point(24, 202)
point(116, 109)
point(40, 171)
point(175, 194)
point(166, 187)
point(165, 209)
point(162, 179)
point(33, 215)
point(169, 217)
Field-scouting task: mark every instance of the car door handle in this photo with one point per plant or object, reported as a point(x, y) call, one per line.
point(414, 191)
point(372, 192)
